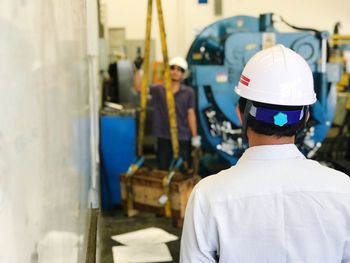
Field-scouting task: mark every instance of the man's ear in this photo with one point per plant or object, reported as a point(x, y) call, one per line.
point(239, 114)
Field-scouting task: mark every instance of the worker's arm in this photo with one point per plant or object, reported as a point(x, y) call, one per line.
point(192, 121)
point(137, 80)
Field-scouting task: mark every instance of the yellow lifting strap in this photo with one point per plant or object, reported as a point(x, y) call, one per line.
point(347, 106)
point(168, 86)
point(169, 99)
point(166, 190)
point(129, 193)
point(171, 109)
point(166, 181)
point(144, 85)
point(129, 190)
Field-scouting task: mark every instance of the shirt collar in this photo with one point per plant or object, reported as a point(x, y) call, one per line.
point(180, 89)
point(270, 152)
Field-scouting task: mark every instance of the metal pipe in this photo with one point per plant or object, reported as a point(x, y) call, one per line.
point(323, 55)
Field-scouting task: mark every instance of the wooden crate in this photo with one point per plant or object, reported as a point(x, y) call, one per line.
point(147, 188)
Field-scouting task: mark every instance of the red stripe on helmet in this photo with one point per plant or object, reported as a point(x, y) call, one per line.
point(245, 78)
point(246, 83)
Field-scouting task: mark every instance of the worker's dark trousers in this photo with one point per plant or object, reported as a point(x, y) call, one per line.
point(348, 151)
point(165, 153)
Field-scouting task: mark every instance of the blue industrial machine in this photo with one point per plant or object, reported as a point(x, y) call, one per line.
point(217, 58)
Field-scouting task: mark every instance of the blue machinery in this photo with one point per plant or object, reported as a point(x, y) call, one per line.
point(217, 57)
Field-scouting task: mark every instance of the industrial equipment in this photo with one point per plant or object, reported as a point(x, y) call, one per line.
point(217, 57)
point(339, 153)
point(118, 87)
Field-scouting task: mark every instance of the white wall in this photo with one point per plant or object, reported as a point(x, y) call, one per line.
point(185, 17)
point(45, 153)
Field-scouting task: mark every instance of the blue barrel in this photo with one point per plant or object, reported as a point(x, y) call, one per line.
point(118, 151)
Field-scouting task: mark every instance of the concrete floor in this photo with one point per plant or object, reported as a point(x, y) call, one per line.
point(115, 222)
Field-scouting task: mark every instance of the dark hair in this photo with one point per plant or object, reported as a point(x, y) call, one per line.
point(176, 66)
point(271, 129)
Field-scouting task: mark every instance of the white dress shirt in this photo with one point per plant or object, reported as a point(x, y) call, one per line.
point(273, 206)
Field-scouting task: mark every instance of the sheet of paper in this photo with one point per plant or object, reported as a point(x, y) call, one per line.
point(141, 253)
point(151, 235)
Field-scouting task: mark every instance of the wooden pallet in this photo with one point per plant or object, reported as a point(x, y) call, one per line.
point(147, 188)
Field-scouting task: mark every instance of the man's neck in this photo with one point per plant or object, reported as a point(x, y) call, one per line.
point(256, 139)
point(176, 85)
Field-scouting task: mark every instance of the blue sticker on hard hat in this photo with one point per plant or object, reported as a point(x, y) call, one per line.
point(280, 119)
point(276, 117)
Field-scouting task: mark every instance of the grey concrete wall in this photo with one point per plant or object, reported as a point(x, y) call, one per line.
point(46, 160)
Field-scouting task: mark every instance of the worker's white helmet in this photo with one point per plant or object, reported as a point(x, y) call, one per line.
point(279, 76)
point(180, 62)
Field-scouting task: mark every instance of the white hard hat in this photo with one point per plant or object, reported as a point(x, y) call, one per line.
point(279, 76)
point(180, 62)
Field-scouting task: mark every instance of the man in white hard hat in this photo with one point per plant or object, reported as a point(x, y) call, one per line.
point(184, 99)
point(274, 205)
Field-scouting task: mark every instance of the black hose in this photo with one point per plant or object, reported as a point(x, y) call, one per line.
point(301, 28)
point(317, 32)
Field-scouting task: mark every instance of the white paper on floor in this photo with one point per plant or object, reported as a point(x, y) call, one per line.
point(151, 235)
point(141, 253)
